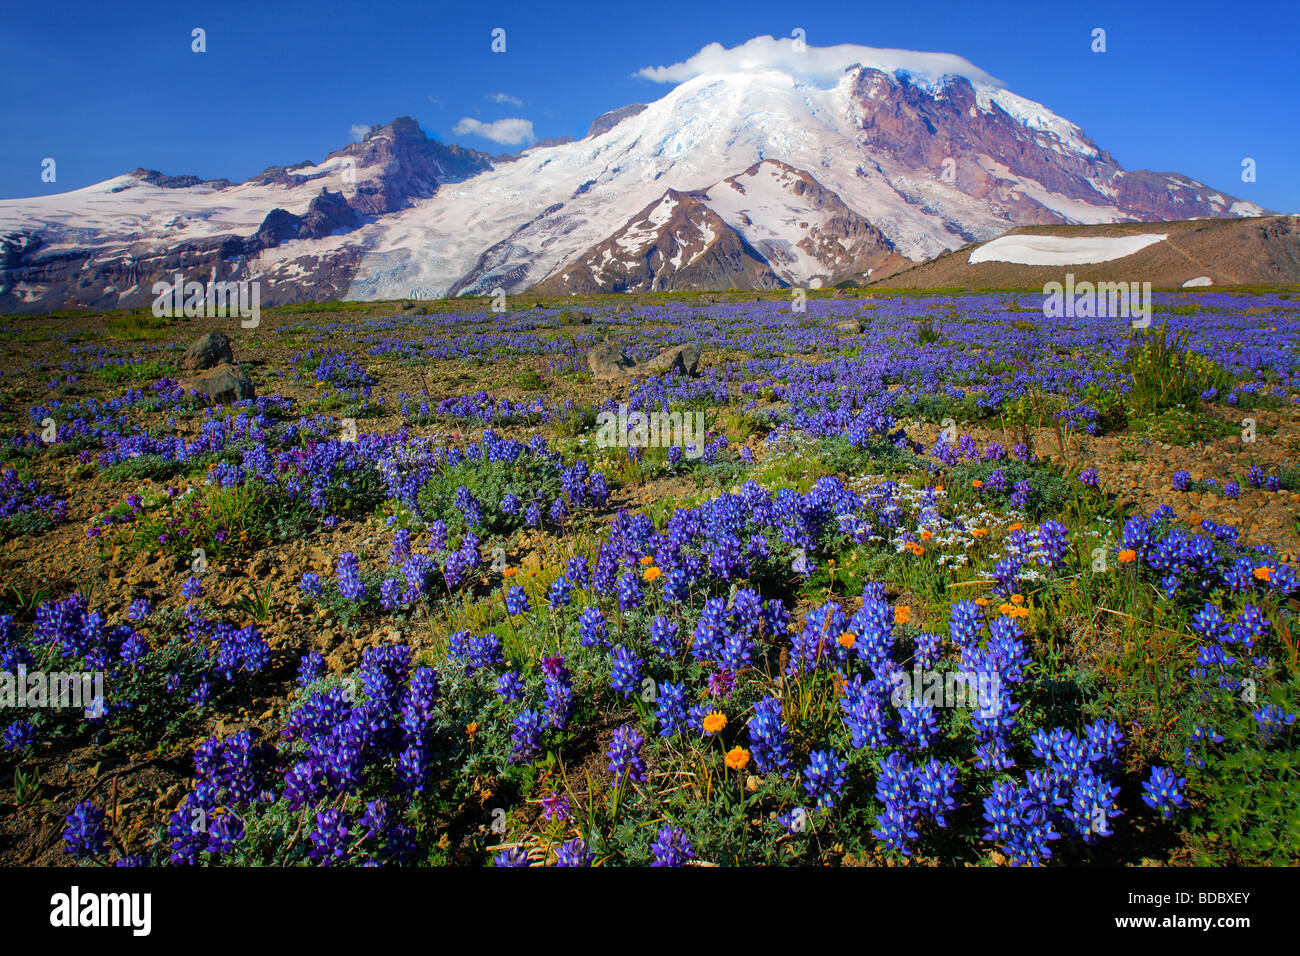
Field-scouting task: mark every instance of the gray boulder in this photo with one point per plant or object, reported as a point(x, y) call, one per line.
point(224, 384)
point(849, 325)
point(208, 351)
point(608, 362)
point(682, 358)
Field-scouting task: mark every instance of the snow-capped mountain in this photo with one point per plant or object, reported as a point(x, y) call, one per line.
point(761, 166)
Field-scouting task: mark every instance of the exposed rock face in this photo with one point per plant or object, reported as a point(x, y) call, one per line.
point(800, 227)
point(677, 242)
point(551, 141)
point(410, 166)
point(163, 181)
point(610, 363)
point(848, 325)
point(607, 121)
point(328, 213)
point(224, 384)
point(753, 230)
point(997, 158)
point(207, 351)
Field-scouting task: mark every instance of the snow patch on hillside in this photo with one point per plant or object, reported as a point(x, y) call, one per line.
point(1062, 250)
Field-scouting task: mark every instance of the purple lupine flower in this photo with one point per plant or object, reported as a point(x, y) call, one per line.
point(83, 832)
point(625, 755)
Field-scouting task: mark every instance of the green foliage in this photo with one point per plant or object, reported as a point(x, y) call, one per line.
point(216, 519)
point(1164, 372)
point(935, 407)
point(147, 467)
point(1182, 426)
point(527, 378)
point(255, 604)
point(1248, 794)
point(114, 372)
point(138, 326)
point(141, 710)
point(1050, 494)
point(928, 330)
point(489, 481)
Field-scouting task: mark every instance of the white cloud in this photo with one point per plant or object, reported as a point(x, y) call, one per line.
point(826, 64)
point(505, 98)
point(512, 132)
point(359, 132)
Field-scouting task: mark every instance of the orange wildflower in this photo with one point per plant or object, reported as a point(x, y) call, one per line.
point(982, 601)
point(1264, 574)
point(737, 758)
point(714, 722)
point(847, 640)
point(978, 532)
point(510, 572)
point(1017, 599)
point(651, 573)
point(1127, 556)
point(471, 728)
point(902, 615)
point(647, 560)
point(976, 483)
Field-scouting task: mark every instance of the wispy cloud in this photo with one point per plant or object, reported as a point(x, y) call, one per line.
point(825, 63)
point(511, 132)
point(505, 98)
point(359, 132)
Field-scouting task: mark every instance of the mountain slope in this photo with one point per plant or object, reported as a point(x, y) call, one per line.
point(1257, 251)
point(676, 242)
point(105, 245)
point(770, 226)
point(804, 230)
point(892, 157)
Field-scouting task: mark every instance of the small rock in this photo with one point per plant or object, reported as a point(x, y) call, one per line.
point(848, 325)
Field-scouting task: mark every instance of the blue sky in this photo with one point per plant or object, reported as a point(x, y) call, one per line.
point(1190, 87)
